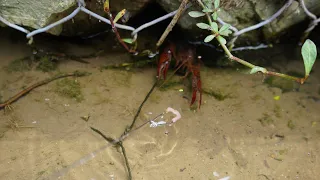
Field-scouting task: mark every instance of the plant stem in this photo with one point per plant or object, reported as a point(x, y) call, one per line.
point(299, 80)
point(114, 28)
point(243, 62)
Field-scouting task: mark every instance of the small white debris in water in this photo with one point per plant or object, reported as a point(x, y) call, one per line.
point(151, 55)
point(175, 112)
point(216, 174)
point(47, 99)
point(66, 105)
point(156, 124)
point(225, 178)
point(149, 112)
point(180, 90)
point(34, 122)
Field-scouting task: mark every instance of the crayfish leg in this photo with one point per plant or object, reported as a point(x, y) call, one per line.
point(194, 97)
point(200, 100)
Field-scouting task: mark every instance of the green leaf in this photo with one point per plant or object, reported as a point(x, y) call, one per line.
point(208, 3)
point(309, 55)
point(209, 38)
point(214, 26)
point(206, 10)
point(215, 16)
point(224, 28)
point(196, 14)
point(203, 26)
point(216, 4)
point(119, 15)
point(106, 5)
point(258, 69)
point(222, 40)
point(128, 40)
point(226, 32)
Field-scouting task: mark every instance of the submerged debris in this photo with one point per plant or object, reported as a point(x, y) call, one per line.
point(46, 64)
point(281, 83)
point(70, 89)
point(218, 95)
point(175, 112)
point(291, 124)
point(19, 65)
point(266, 120)
point(168, 85)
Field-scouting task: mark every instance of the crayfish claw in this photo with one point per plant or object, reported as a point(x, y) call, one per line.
point(164, 62)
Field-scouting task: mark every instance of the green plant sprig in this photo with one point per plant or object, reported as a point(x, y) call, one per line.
point(308, 51)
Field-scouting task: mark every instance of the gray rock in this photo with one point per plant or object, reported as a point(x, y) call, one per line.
point(245, 13)
point(240, 13)
point(36, 14)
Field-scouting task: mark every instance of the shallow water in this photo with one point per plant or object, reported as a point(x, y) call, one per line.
point(247, 136)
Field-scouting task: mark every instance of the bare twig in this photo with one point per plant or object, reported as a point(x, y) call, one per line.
point(173, 22)
point(140, 107)
point(118, 142)
point(107, 10)
point(46, 81)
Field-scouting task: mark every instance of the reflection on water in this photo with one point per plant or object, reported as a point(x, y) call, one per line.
point(262, 130)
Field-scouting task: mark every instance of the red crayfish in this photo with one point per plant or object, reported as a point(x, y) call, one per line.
point(185, 58)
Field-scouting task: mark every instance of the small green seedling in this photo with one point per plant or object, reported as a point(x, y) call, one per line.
point(210, 9)
point(309, 55)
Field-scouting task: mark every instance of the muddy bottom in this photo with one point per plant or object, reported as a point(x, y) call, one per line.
point(256, 132)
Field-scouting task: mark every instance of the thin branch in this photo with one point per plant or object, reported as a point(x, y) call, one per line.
point(140, 107)
point(173, 22)
point(107, 10)
point(243, 62)
point(46, 81)
point(126, 160)
point(118, 142)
